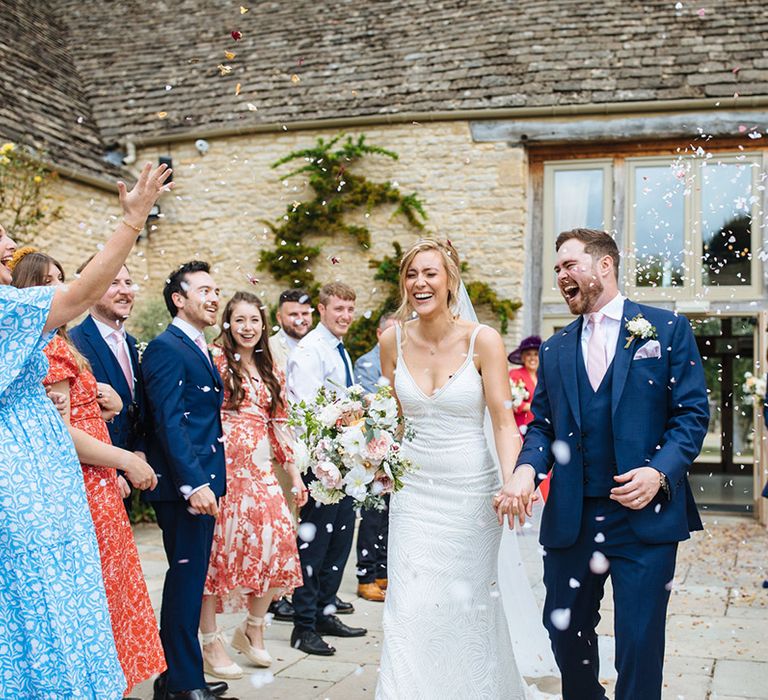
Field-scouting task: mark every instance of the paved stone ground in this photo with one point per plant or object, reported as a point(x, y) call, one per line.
point(717, 630)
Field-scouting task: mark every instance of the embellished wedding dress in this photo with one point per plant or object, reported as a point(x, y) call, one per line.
point(445, 633)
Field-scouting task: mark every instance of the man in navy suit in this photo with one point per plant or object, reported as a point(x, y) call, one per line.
point(114, 359)
point(620, 414)
point(185, 447)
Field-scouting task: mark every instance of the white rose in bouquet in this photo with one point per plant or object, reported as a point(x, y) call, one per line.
point(382, 411)
point(329, 414)
point(301, 457)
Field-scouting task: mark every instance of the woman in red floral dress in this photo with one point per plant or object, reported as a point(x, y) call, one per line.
point(254, 556)
point(133, 622)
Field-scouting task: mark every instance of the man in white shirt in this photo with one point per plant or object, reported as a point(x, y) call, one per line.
point(320, 359)
point(294, 315)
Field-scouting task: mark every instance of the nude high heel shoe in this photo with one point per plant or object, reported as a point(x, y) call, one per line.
point(230, 672)
point(241, 643)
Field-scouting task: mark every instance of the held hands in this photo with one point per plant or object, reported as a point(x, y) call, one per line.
point(516, 497)
point(139, 473)
point(109, 401)
point(204, 502)
point(639, 488)
point(138, 202)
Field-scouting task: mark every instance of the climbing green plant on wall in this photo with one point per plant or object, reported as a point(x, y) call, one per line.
point(337, 191)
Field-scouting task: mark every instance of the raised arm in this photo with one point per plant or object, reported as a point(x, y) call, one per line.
point(72, 299)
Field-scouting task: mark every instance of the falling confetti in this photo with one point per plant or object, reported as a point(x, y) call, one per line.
point(236, 35)
point(295, 79)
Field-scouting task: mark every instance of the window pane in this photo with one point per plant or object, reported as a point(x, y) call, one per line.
point(726, 224)
point(659, 212)
point(578, 199)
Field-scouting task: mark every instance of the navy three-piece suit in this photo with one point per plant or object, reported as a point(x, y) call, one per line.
point(186, 449)
point(648, 411)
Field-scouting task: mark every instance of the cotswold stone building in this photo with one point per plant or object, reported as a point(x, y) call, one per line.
point(513, 121)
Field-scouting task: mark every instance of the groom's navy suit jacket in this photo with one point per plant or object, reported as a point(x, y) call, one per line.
point(126, 430)
point(660, 416)
point(184, 436)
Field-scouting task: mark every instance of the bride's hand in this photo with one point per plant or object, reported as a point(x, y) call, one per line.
point(516, 497)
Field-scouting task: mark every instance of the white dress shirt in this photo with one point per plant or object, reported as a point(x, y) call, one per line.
point(316, 362)
point(107, 333)
point(613, 312)
point(281, 345)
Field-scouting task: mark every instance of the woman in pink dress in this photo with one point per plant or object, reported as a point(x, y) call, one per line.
point(527, 355)
point(254, 556)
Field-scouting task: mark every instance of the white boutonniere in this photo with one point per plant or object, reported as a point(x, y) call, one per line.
point(140, 348)
point(639, 327)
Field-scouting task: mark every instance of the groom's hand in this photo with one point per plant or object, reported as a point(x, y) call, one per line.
point(639, 487)
point(517, 496)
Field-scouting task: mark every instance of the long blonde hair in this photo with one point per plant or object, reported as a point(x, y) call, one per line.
point(452, 266)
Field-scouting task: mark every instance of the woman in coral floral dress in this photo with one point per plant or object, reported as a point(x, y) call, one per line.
point(133, 622)
point(254, 556)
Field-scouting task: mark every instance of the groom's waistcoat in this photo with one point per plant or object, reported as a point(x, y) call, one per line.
point(596, 432)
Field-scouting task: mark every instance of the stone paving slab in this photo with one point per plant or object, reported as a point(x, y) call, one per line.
point(717, 630)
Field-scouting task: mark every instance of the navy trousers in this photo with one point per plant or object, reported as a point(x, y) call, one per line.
point(187, 541)
point(372, 534)
point(640, 574)
point(322, 559)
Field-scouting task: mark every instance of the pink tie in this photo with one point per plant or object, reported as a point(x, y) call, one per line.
point(122, 358)
point(200, 342)
point(596, 364)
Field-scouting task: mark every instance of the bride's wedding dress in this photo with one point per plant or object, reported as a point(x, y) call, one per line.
point(445, 634)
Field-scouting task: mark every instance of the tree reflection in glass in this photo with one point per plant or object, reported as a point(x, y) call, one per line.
point(726, 225)
point(659, 228)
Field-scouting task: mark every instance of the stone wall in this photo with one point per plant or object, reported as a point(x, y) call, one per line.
point(474, 194)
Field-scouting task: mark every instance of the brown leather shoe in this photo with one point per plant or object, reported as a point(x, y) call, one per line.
point(382, 583)
point(370, 591)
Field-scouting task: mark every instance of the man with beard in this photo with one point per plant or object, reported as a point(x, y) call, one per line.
point(185, 447)
point(621, 403)
point(294, 315)
point(114, 359)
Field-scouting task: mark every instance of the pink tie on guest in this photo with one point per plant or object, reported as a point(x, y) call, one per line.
point(596, 360)
point(122, 358)
point(200, 342)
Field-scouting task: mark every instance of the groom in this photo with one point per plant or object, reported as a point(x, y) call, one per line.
point(621, 403)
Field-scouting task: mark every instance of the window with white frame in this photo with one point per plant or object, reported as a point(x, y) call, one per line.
point(691, 224)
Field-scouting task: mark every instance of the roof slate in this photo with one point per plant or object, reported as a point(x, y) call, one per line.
point(150, 68)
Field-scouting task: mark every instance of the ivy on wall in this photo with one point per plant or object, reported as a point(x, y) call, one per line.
point(337, 192)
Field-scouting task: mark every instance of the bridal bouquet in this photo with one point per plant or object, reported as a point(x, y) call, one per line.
point(754, 388)
point(348, 440)
point(519, 393)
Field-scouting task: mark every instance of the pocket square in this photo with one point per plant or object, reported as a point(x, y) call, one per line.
point(652, 349)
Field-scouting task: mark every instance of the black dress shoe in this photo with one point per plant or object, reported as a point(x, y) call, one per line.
point(330, 624)
point(310, 642)
point(196, 694)
point(218, 688)
point(282, 610)
point(343, 608)
point(160, 687)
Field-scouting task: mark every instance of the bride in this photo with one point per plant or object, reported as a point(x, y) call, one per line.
point(445, 634)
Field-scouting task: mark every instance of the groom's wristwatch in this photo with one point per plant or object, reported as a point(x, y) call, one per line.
point(664, 485)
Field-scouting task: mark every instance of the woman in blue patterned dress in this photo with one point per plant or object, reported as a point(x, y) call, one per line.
point(55, 636)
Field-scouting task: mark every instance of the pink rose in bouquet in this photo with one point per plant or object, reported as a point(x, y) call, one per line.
point(328, 474)
point(376, 448)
